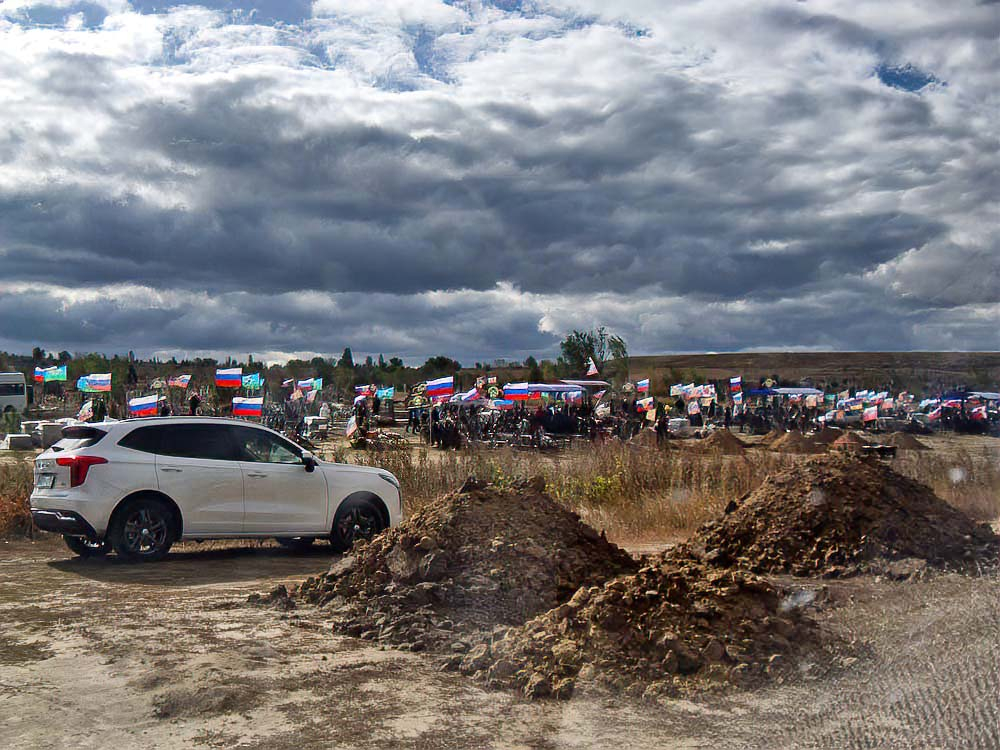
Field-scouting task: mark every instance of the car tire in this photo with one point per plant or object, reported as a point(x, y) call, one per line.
point(143, 530)
point(355, 519)
point(83, 547)
point(296, 543)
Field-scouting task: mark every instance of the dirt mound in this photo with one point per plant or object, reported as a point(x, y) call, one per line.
point(646, 438)
point(676, 626)
point(904, 441)
point(840, 515)
point(724, 442)
point(467, 562)
point(827, 436)
point(795, 442)
point(849, 441)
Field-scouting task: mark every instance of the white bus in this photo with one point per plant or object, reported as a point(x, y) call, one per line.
point(13, 393)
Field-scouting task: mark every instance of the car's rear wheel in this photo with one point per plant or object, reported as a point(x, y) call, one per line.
point(143, 530)
point(297, 543)
point(83, 547)
point(355, 519)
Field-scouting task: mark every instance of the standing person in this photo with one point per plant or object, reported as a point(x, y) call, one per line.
point(193, 403)
point(165, 410)
point(376, 405)
point(324, 411)
point(100, 410)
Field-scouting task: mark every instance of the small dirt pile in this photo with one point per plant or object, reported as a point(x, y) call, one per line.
point(826, 436)
point(795, 442)
point(849, 441)
point(723, 442)
point(646, 438)
point(904, 441)
point(676, 626)
point(839, 515)
point(467, 562)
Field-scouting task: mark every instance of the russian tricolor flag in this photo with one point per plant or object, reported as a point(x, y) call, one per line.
point(248, 407)
point(440, 387)
point(470, 395)
point(516, 392)
point(144, 406)
point(642, 386)
point(229, 378)
point(178, 381)
point(736, 384)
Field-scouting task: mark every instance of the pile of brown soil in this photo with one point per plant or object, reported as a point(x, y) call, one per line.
point(676, 626)
point(904, 441)
point(849, 441)
point(842, 514)
point(467, 562)
point(647, 439)
point(827, 436)
point(724, 442)
point(795, 442)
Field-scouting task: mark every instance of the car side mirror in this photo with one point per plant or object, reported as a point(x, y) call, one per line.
point(309, 460)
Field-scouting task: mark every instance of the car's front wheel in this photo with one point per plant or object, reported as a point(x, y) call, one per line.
point(83, 547)
point(355, 519)
point(143, 530)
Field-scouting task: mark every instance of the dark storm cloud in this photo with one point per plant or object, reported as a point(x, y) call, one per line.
point(598, 176)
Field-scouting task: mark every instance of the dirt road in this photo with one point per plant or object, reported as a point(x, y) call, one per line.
point(101, 654)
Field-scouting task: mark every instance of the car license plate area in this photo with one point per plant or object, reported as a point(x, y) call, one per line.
point(46, 481)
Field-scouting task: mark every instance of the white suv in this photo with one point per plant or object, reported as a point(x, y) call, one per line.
point(140, 485)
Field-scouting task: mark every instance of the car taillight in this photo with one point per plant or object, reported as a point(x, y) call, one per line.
point(79, 466)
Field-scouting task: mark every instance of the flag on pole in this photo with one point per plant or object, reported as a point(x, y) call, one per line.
point(592, 367)
point(440, 387)
point(470, 395)
point(144, 406)
point(516, 392)
point(359, 398)
point(86, 412)
point(252, 381)
point(352, 426)
point(694, 407)
point(935, 414)
point(248, 407)
point(870, 414)
point(979, 413)
point(642, 386)
point(645, 404)
point(229, 378)
point(736, 384)
point(599, 395)
point(384, 393)
point(49, 374)
point(311, 396)
point(95, 383)
point(288, 383)
point(178, 381)
point(738, 397)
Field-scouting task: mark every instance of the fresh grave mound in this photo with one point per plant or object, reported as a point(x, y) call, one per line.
point(827, 436)
point(465, 563)
point(647, 438)
point(795, 442)
point(904, 441)
point(676, 626)
point(723, 441)
point(849, 441)
point(843, 514)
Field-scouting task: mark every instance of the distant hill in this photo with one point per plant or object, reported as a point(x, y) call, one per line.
point(913, 371)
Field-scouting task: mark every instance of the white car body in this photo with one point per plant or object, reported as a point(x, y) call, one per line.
point(217, 498)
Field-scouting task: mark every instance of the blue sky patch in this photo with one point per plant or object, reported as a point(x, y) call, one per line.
point(904, 77)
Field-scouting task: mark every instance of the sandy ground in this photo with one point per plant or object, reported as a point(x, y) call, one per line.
point(96, 653)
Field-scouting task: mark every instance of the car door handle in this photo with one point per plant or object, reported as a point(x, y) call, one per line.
point(255, 474)
point(170, 468)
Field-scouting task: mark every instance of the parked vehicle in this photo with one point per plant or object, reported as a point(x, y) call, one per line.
point(13, 392)
point(138, 486)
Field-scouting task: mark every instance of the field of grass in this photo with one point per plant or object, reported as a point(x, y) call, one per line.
point(636, 495)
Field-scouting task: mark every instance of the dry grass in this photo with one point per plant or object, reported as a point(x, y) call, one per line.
point(15, 487)
point(635, 494)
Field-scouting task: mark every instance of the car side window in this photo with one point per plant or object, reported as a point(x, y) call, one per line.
point(145, 439)
point(211, 441)
point(262, 447)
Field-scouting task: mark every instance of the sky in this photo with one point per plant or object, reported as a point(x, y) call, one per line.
point(476, 179)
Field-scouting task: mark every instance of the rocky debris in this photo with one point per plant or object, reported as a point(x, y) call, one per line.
point(849, 441)
point(904, 441)
point(723, 442)
point(463, 565)
point(796, 442)
point(675, 626)
point(279, 597)
point(843, 514)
